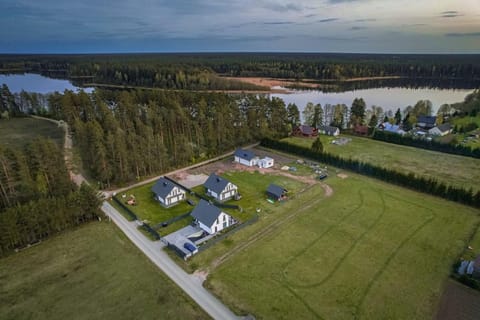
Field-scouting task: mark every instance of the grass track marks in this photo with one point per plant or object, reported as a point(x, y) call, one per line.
point(347, 253)
point(381, 270)
point(308, 246)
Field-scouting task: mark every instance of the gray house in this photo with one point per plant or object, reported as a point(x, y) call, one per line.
point(426, 122)
point(167, 193)
point(220, 188)
point(210, 218)
point(329, 130)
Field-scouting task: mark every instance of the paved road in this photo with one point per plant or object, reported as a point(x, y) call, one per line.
point(191, 284)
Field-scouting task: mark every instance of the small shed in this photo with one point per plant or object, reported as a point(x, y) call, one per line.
point(276, 192)
point(266, 162)
point(245, 157)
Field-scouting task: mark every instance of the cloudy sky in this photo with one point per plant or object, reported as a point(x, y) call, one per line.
point(396, 26)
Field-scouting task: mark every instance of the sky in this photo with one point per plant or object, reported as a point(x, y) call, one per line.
point(371, 26)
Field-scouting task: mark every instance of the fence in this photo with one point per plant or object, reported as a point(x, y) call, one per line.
point(170, 221)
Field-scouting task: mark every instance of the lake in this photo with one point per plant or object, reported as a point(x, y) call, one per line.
point(36, 83)
point(387, 98)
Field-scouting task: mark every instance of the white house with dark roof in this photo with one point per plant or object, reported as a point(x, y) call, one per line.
point(168, 193)
point(210, 218)
point(245, 157)
point(441, 130)
point(329, 130)
point(219, 188)
point(426, 122)
point(266, 162)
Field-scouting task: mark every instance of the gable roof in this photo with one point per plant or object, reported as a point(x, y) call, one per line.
point(216, 183)
point(206, 213)
point(444, 127)
point(328, 129)
point(276, 190)
point(163, 187)
point(244, 154)
point(306, 129)
point(427, 119)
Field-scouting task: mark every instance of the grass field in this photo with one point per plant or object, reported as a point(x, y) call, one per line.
point(450, 169)
point(93, 272)
point(17, 132)
point(370, 251)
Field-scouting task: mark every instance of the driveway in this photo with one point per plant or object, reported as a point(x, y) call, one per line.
point(191, 284)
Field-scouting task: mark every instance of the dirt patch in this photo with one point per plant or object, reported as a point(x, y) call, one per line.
point(342, 176)
point(458, 302)
point(190, 180)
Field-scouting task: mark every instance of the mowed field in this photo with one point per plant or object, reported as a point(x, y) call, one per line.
point(369, 251)
point(449, 169)
point(93, 272)
point(17, 132)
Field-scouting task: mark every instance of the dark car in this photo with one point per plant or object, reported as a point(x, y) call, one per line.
point(191, 202)
point(190, 247)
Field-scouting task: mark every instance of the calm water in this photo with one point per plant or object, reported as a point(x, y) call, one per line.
point(36, 83)
point(387, 98)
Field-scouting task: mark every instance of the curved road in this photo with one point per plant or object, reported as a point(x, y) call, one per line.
point(191, 284)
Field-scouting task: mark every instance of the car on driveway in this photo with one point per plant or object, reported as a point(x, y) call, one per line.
point(190, 247)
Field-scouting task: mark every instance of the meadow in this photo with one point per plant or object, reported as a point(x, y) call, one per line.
point(450, 169)
point(93, 272)
point(370, 250)
point(16, 132)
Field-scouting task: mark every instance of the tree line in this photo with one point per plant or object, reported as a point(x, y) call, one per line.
point(37, 198)
point(425, 185)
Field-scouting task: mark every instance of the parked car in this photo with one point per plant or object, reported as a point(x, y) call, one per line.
point(191, 202)
point(190, 247)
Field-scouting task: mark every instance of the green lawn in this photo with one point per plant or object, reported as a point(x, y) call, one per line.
point(252, 186)
point(17, 132)
point(450, 169)
point(370, 251)
point(93, 272)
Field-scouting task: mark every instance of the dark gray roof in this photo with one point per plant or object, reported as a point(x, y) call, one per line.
point(427, 119)
point(306, 129)
point(328, 129)
point(163, 187)
point(277, 191)
point(244, 154)
point(216, 183)
point(444, 127)
point(206, 213)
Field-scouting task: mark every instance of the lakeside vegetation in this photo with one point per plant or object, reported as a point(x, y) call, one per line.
point(90, 272)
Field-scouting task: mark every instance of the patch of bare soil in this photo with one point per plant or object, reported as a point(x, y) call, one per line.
point(342, 176)
point(458, 302)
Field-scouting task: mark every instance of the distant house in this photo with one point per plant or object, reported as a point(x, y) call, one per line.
point(305, 131)
point(276, 193)
point(441, 130)
point(210, 218)
point(426, 122)
point(245, 157)
point(361, 130)
point(168, 193)
point(329, 130)
point(266, 162)
point(220, 188)
point(393, 128)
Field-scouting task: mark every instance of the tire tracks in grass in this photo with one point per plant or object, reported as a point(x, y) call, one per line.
point(346, 254)
point(381, 270)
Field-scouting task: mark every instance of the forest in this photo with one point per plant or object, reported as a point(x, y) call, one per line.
point(201, 71)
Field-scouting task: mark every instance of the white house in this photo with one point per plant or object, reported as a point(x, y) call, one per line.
point(168, 193)
point(245, 157)
point(441, 130)
point(220, 188)
point(266, 162)
point(329, 130)
point(210, 218)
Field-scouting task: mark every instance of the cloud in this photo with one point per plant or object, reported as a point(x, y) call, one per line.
point(450, 14)
point(327, 20)
point(278, 22)
point(357, 28)
point(366, 20)
point(310, 15)
point(341, 1)
point(463, 34)
point(282, 7)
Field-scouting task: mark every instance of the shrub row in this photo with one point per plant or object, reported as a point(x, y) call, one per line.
point(408, 180)
point(424, 144)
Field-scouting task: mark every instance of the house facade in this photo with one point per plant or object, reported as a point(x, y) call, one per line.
point(441, 130)
point(276, 192)
point(210, 218)
point(168, 193)
point(245, 157)
point(305, 131)
point(329, 130)
point(219, 188)
point(266, 162)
